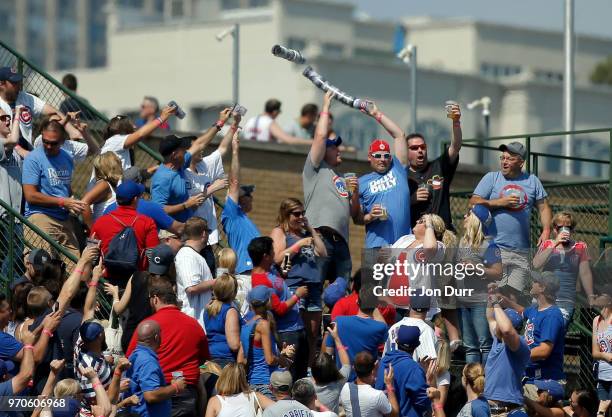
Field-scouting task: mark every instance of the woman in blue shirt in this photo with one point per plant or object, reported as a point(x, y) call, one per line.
point(295, 238)
point(473, 380)
point(222, 322)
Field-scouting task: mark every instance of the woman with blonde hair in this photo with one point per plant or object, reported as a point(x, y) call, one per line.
point(227, 260)
point(234, 397)
point(296, 241)
point(101, 193)
point(477, 252)
point(222, 322)
point(473, 380)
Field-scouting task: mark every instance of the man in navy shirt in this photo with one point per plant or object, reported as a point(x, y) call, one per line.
point(545, 329)
point(169, 186)
point(146, 376)
point(384, 195)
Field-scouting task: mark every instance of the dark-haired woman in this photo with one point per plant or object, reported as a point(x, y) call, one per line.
point(120, 135)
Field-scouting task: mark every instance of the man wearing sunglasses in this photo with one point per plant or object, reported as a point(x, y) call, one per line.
point(384, 195)
point(430, 181)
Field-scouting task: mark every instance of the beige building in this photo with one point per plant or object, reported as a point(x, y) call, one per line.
point(519, 69)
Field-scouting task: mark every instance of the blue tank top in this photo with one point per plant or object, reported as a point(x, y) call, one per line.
point(259, 371)
point(303, 264)
point(604, 340)
point(215, 332)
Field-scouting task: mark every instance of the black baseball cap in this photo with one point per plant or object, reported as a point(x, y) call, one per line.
point(172, 142)
point(246, 190)
point(10, 74)
point(162, 257)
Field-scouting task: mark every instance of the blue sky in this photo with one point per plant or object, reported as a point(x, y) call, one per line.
point(591, 16)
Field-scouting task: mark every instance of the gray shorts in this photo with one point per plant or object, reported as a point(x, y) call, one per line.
point(515, 266)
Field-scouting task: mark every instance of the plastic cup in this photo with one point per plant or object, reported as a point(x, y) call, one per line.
point(348, 175)
point(177, 374)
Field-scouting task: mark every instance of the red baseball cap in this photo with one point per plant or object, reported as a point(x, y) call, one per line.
point(379, 145)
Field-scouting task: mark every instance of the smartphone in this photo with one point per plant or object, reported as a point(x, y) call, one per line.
point(286, 264)
point(91, 242)
point(332, 325)
point(55, 307)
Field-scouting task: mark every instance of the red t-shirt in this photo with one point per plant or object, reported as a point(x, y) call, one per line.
point(347, 306)
point(106, 228)
point(278, 307)
point(184, 346)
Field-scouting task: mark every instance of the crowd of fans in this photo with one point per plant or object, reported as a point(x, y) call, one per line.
point(241, 330)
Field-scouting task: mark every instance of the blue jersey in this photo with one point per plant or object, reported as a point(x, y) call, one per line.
point(505, 370)
point(170, 187)
point(392, 192)
point(545, 326)
point(240, 230)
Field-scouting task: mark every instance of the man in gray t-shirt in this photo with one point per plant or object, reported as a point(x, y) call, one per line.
point(281, 383)
point(329, 199)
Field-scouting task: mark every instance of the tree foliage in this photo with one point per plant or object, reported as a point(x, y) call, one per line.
point(602, 74)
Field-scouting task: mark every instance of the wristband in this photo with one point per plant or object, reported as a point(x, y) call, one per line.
point(341, 347)
point(47, 332)
point(62, 202)
point(28, 347)
point(379, 117)
point(117, 372)
point(390, 388)
point(438, 406)
point(456, 123)
point(324, 113)
point(219, 124)
point(295, 249)
point(92, 284)
point(234, 128)
point(159, 121)
point(175, 387)
point(96, 385)
point(80, 271)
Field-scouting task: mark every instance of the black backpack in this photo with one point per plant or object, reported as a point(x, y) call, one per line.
point(121, 259)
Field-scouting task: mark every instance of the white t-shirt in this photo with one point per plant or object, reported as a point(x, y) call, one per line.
point(428, 340)
point(209, 170)
point(115, 144)
point(78, 150)
point(192, 269)
point(33, 108)
point(372, 402)
point(258, 128)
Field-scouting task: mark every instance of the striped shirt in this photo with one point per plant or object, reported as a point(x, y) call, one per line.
point(99, 364)
point(192, 269)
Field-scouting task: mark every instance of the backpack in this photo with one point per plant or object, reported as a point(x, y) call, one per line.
point(121, 259)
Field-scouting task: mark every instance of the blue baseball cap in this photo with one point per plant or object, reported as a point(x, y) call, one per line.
point(515, 318)
point(10, 74)
point(6, 367)
point(484, 215)
point(337, 141)
point(551, 386)
point(260, 294)
point(334, 292)
point(128, 190)
point(409, 336)
point(71, 409)
point(90, 331)
point(162, 257)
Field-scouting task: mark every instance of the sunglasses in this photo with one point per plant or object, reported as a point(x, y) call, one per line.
point(559, 226)
point(385, 156)
point(298, 213)
point(50, 143)
point(417, 147)
point(5, 118)
point(508, 158)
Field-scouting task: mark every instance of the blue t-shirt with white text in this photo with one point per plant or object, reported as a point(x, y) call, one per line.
point(52, 175)
point(512, 224)
point(170, 187)
point(392, 192)
point(545, 326)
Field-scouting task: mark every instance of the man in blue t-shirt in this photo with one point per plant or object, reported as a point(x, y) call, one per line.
point(47, 178)
point(545, 329)
point(146, 376)
point(239, 229)
point(384, 195)
point(359, 333)
point(169, 186)
point(506, 362)
point(510, 194)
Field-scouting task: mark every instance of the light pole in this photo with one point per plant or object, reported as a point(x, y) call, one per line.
point(485, 103)
point(568, 83)
point(409, 56)
point(235, 32)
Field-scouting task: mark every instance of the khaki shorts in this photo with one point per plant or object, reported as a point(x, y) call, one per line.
point(62, 231)
point(515, 265)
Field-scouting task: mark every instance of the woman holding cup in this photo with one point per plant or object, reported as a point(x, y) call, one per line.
point(568, 259)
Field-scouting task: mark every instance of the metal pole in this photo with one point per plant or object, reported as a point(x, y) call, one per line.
point(236, 64)
point(568, 83)
point(413, 87)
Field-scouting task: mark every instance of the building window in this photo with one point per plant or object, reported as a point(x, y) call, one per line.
point(491, 70)
point(178, 8)
point(298, 44)
point(549, 76)
point(230, 4)
point(585, 148)
point(203, 117)
point(259, 3)
point(333, 50)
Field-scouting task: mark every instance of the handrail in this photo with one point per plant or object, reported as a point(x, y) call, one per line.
point(74, 96)
point(537, 135)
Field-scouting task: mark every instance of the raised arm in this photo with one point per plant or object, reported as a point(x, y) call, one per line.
point(342, 353)
point(119, 304)
point(399, 138)
point(283, 137)
point(89, 309)
point(455, 146)
point(13, 137)
point(80, 271)
point(509, 334)
point(318, 146)
point(227, 138)
point(203, 140)
point(233, 191)
point(26, 368)
point(148, 128)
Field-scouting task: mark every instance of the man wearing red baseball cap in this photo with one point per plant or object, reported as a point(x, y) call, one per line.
point(384, 195)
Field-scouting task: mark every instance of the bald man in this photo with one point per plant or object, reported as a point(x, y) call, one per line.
point(146, 376)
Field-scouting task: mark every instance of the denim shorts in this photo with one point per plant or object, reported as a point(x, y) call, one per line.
point(265, 390)
point(604, 390)
point(313, 301)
